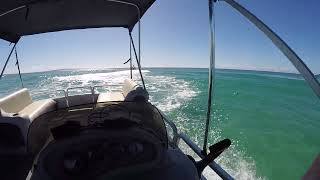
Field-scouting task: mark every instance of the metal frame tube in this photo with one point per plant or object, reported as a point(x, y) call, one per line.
point(281, 45)
point(175, 138)
point(139, 38)
point(8, 58)
point(139, 66)
point(13, 10)
point(214, 166)
point(211, 73)
point(18, 66)
point(130, 60)
point(116, 1)
point(194, 147)
point(139, 24)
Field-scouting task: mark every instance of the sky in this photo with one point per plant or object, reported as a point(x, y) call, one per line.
point(175, 33)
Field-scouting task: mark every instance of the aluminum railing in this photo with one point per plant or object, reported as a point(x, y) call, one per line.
point(194, 147)
point(91, 88)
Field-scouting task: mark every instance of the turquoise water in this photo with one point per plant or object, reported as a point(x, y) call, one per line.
point(272, 118)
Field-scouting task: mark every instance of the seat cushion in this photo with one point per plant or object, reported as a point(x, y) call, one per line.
point(110, 96)
point(129, 85)
point(16, 101)
point(38, 108)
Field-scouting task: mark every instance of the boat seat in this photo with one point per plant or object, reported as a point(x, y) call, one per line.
point(17, 111)
point(131, 91)
point(110, 96)
point(16, 101)
point(128, 86)
point(20, 104)
point(37, 108)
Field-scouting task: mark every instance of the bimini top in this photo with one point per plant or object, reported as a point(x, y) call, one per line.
point(26, 17)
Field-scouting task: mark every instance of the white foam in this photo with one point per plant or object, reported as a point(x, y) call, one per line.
point(232, 161)
point(48, 86)
point(179, 92)
point(112, 78)
point(171, 93)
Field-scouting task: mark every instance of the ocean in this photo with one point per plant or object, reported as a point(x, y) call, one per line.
point(273, 119)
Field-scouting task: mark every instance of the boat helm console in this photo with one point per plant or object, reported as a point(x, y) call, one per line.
point(96, 153)
point(118, 141)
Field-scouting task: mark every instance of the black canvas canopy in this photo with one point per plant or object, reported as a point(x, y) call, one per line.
point(26, 17)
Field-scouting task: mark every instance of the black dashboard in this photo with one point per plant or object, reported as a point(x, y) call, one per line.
point(96, 153)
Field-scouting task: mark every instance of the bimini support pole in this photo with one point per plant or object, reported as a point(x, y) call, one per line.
point(211, 72)
point(282, 46)
point(139, 34)
point(130, 60)
point(8, 58)
point(137, 59)
point(18, 66)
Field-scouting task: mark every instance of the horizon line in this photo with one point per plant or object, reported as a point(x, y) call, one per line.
point(218, 68)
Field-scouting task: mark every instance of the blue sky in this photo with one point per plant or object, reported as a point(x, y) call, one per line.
point(175, 34)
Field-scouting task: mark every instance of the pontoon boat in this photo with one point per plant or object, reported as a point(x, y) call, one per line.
point(111, 135)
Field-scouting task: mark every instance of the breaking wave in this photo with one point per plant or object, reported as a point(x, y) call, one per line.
point(109, 78)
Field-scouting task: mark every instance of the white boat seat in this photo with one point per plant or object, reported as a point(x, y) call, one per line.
point(131, 91)
point(17, 110)
point(37, 108)
point(110, 96)
point(21, 104)
point(128, 86)
point(16, 101)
